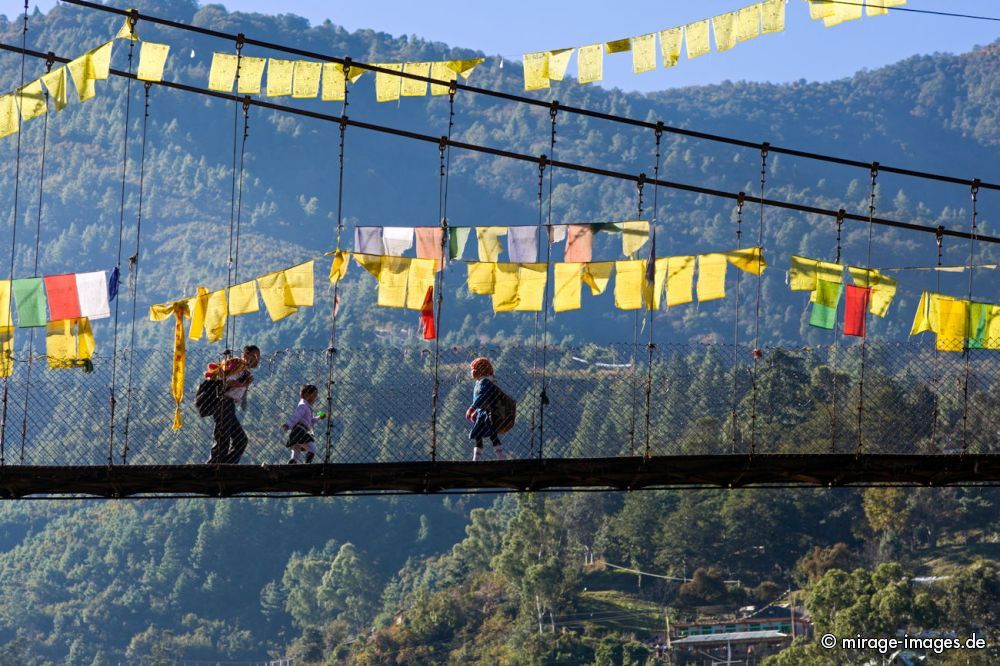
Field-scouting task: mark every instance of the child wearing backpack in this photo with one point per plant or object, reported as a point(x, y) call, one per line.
point(300, 425)
point(485, 395)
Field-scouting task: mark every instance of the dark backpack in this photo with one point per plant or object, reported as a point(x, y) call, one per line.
point(503, 411)
point(206, 398)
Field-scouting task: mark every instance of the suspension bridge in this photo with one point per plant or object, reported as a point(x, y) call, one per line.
point(649, 414)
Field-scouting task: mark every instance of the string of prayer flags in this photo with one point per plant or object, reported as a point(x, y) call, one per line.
point(387, 86)
point(957, 321)
point(305, 79)
point(397, 240)
point(541, 68)
point(711, 276)
point(579, 243)
point(279, 77)
point(30, 300)
point(64, 303)
point(179, 310)
point(883, 288)
point(152, 59)
point(429, 240)
point(69, 343)
point(450, 70)
point(457, 239)
point(489, 242)
point(590, 63)
point(824, 308)
point(568, 285)
point(855, 309)
point(522, 244)
point(274, 291)
point(519, 286)
point(243, 298)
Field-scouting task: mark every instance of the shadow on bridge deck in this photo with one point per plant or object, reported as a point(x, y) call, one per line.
point(714, 471)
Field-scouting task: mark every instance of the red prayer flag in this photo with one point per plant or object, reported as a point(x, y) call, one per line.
point(855, 307)
point(427, 315)
point(64, 302)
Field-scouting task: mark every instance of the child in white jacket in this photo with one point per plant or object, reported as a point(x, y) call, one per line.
point(300, 425)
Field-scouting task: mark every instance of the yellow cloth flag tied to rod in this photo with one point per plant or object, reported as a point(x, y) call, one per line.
point(5, 305)
point(881, 7)
point(442, 72)
point(198, 307)
point(127, 31)
point(883, 288)
point(419, 280)
point(8, 115)
point(415, 87)
point(243, 298)
point(724, 26)
point(532, 278)
point(222, 73)
point(843, 12)
point(635, 234)
point(481, 277)
point(680, 278)
point(338, 269)
point(69, 343)
point(370, 262)
point(305, 79)
point(279, 77)
point(92, 66)
point(568, 285)
point(711, 276)
point(301, 288)
point(216, 313)
point(334, 82)
point(748, 23)
point(152, 60)
point(274, 291)
point(953, 320)
point(772, 16)
point(57, 85)
point(31, 100)
point(590, 63)
point(629, 278)
point(644, 53)
point(821, 9)
point(558, 62)
point(670, 45)
point(619, 45)
point(251, 72)
point(597, 275)
point(696, 36)
point(536, 70)
point(392, 281)
point(179, 310)
point(6, 351)
point(387, 86)
point(749, 260)
point(652, 295)
point(802, 274)
point(489, 242)
point(505, 289)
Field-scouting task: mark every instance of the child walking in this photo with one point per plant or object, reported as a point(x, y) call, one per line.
point(484, 395)
point(300, 425)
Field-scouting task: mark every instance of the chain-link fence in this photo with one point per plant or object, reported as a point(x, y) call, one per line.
point(602, 401)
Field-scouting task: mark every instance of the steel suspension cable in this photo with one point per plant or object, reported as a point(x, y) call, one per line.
point(133, 269)
point(872, 193)
point(650, 346)
point(543, 400)
point(239, 208)
point(936, 379)
point(34, 270)
point(532, 101)
point(331, 350)
point(132, 18)
point(444, 171)
point(227, 352)
point(764, 149)
point(640, 189)
point(836, 350)
point(542, 162)
point(13, 242)
point(974, 191)
point(736, 323)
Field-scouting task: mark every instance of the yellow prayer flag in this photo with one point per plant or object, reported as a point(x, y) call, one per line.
point(921, 319)
point(216, 312)
point(243, 298)
point(79, 71)
point(567, 286)
point(507, 278)
point(414, 87)
point(370, 262)
point(198, 306)
point(644, 53)
point(392, 282)
point(773, 16)
point(652, 295)
point(749, 260)
point(747, 23)
point(5, 311)
point(829, 271)
point(532, 278)
point(680, 277)
point(274, 291)
point(634, 236)
point(843, 12)
point(881, 7)
point(100, 61)
point(821, 9)
point(597, 275)
point(179, 310)
point(536, 71)
point(590, 63)
point(31, 101)
point(629, 279)
point(152, 59)
point(222, 73)
point(725, 31)
point(127, 31)
point(68, 342)
point(9, 120)
point(953, 324)
point(558, 61)
point(300, 285)
point(6, 351)
point(420, 279)
point(802, 274)
point(711, 276)
point(670, 45)
point(883, 288)
point(442, 72)
point(696, 36)
point(251, 71)
point(489, 242)
point(55, 82)
point(991, 335)
point(387, 86)
point(619, 45)
point(305, 79)
point(481, 277)
point(464, 67)
point(279, 77)
point(333, 82)
point(160, 311)
point(338, 269)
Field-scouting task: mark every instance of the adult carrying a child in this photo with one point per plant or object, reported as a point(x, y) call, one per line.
point(226, 385)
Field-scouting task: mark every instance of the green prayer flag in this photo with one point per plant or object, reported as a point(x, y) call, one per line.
point(823, 316)
point(977, 325)
point(29, 296)
point(457, 238)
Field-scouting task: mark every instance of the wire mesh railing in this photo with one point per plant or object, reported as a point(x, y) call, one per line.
point(804, 401)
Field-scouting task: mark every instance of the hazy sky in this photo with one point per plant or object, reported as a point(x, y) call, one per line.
point(806, 50)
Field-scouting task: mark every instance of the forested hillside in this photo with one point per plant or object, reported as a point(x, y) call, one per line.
point(473, 580)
